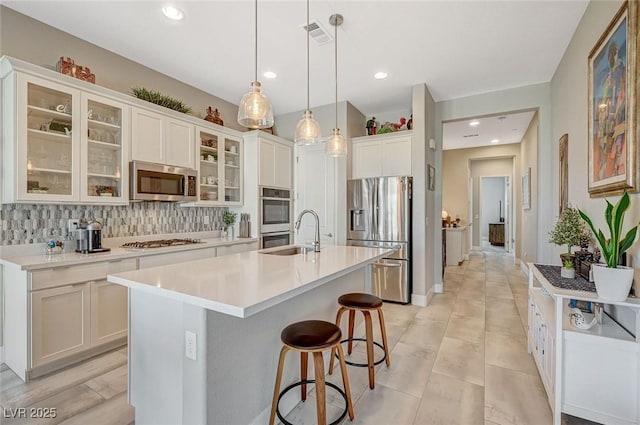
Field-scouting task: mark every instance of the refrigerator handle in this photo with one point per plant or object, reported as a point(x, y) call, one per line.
point(376, 213)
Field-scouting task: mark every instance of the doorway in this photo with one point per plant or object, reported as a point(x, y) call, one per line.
point(494, 214)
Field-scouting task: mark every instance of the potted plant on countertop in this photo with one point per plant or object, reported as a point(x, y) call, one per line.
point(229, 219)
point(569, 230)
point(612, 280)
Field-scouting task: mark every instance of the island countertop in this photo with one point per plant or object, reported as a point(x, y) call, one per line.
point(246, 283)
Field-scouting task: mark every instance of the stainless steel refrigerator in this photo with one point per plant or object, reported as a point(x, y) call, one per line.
point(379, 214)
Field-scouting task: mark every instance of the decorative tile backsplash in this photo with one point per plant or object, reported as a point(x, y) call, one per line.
point(25, 224)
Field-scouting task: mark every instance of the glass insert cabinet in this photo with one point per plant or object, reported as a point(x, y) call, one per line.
point(73, 147)
point(220, 168)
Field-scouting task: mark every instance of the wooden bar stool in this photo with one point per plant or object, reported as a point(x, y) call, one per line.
point(312, 336)
point(364, 303)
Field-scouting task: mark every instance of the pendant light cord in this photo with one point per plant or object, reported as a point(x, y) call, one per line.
point(308, 55)
point(335, 27)
point(256, 41)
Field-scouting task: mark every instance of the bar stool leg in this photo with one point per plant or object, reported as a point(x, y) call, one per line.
point(369, 337)
point(304, 360)
point(276, 390)
point(333, 350)
point(383, 330)
point(345, 382)
point(321, 401)
point(352, 320)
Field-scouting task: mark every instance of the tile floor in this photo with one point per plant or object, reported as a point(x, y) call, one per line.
point(461, 360)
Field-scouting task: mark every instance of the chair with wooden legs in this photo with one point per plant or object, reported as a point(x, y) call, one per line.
point(364, 303)
point(312, 336)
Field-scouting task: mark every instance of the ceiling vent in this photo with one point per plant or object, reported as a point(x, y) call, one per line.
point(317, 32)
point(471, 135)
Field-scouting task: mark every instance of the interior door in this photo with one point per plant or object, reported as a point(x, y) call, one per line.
point(315, 190)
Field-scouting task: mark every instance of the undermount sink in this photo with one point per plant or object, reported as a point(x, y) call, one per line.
point(289, 250)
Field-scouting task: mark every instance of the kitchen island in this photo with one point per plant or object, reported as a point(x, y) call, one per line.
point(204, 336)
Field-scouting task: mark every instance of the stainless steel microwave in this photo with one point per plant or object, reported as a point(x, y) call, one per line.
point(158, 182)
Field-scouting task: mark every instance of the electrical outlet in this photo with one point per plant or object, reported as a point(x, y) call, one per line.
point(190, 345)
point(72, 224)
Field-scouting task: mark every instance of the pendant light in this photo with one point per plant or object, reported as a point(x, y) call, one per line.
point(255, 110)
point(307, 130)
point(336, 146)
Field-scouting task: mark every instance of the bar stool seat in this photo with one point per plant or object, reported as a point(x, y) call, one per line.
point(365, 303)
point(312, 336)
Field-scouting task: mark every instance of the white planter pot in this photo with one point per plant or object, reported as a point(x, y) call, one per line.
point(568, 273)
point(612, 284)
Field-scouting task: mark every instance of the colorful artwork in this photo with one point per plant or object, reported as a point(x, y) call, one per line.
point(611, 136)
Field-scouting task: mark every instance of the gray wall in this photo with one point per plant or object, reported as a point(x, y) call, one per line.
point(33, 41)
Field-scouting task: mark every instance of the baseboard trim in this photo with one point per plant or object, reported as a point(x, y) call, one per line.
point(524, 268)
point(476, 248)
point(419, 300)
point(438, 288)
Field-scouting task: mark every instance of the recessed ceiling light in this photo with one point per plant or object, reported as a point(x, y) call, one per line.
point(494, 141)
point(173, 13)
point(270, 74)
point(380, 75)
point(474, 123)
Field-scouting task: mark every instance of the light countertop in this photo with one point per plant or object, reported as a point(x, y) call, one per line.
point(456, 229)
point(246, 283)
point(70, 258)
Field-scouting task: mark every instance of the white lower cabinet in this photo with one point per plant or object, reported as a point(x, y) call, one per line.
point(60, 322)
point(108, 311)
point(75, 313)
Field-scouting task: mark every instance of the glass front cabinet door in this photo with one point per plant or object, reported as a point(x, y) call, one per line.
point(48, 138)
point(104, 162)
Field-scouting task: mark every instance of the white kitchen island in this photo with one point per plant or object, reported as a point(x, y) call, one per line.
point(236, 307)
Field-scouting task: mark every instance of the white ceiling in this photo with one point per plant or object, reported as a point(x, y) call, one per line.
point(506, 128)
point(459, 48)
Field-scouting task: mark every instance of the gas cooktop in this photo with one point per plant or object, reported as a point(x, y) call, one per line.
point(161, 243)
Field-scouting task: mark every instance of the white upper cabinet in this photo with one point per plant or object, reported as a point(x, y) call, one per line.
point(382, 155)
point(275, 162)
point(162, 139)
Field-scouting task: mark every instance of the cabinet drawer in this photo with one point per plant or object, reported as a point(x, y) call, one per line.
point(69, 275)
point(176, 257)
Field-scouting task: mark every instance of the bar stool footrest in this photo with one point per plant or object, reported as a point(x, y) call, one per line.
point(311, 381)
point(363, 364)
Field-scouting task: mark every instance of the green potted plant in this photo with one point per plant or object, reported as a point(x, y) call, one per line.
point(229, 219)
point(568, 270)
point(612, 280)
point(569, 230)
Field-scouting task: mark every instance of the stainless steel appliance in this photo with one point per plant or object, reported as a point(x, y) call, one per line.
point(161, 243)
point(157, 182)
point(379, 215)
point(276, 217)
point(89, 238)
point(269, 240)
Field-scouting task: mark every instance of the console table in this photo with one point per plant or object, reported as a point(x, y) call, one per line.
point(496, 234)
point(592, 374)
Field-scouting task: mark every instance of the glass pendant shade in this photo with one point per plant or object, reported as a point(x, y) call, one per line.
point(255, 110)
point(307, 130)
point(336, 146)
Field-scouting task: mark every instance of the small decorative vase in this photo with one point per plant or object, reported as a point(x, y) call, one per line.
point(567, 273)
point(612, 283)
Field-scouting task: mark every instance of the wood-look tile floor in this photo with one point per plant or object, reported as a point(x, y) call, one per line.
point(461, 360)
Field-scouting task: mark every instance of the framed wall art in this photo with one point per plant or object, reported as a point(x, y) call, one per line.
point(432, 177)
point(526, 189)
point(613, 119)
point(564, 172)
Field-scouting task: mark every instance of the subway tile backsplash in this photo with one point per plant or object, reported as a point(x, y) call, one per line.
point(25, 224)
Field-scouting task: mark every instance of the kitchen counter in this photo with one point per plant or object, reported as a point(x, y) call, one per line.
point(70, 258)
point(247, 283)
point(204, 335)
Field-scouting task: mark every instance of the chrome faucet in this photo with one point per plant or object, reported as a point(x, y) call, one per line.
point(316, 242)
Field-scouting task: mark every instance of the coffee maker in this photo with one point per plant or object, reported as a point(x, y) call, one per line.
point(89, 237)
